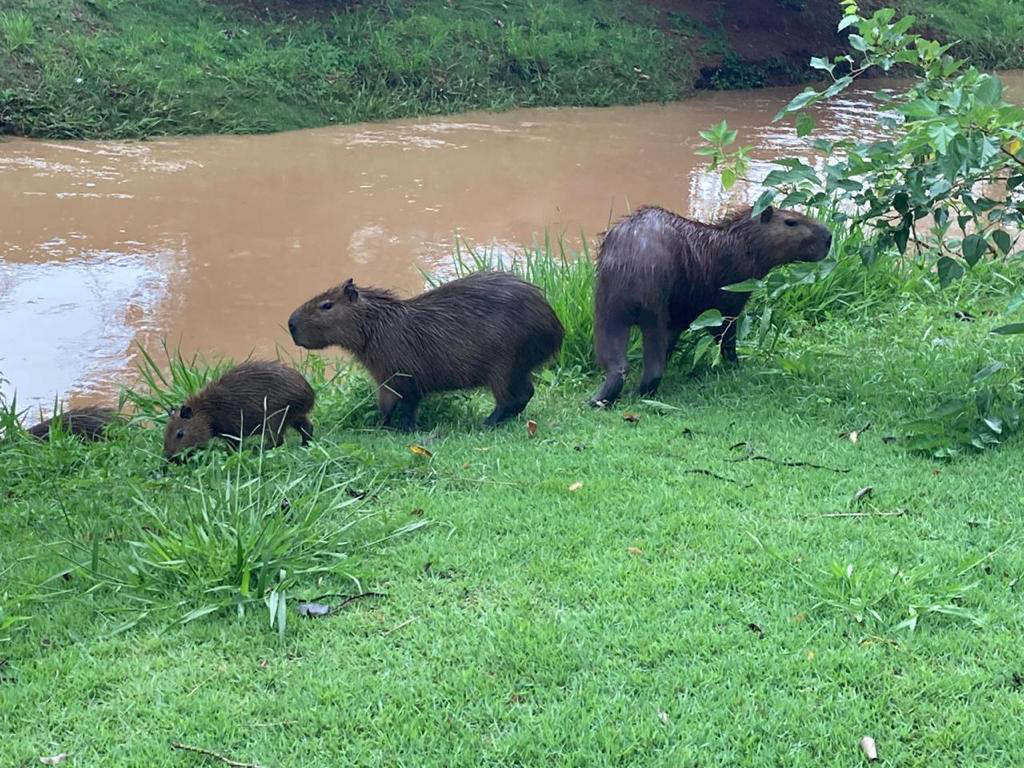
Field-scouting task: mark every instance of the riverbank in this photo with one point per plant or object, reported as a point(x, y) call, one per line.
point(107, 69)
point(748, 570)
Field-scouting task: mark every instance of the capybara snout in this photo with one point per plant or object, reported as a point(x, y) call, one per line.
point(488, 329)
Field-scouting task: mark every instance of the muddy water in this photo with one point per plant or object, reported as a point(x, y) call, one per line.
point(210, 242)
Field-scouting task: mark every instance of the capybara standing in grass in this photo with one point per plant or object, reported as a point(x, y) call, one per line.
point(488, 329)
point(88, 423)
point(250, 399)
point(660, 271)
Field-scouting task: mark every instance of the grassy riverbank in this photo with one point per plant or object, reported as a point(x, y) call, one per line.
point(109, 68)
point(727, 577)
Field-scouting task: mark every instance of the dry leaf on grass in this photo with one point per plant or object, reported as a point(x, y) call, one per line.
point(531, 427)
point(419, 450)
point(55, 759)
point(663, 716)
point(575, 487)
point(632, 418)
point(635, 551)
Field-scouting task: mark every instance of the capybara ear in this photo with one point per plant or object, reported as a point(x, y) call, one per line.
point(185, 412)
point(350, 290)
point(766, 214)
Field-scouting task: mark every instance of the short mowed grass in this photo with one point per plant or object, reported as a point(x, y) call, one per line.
point(698, 580)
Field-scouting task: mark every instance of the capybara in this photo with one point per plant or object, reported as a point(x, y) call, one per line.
point(88, 423)
point(250, 399)
point(660, 271)
point(486, 329)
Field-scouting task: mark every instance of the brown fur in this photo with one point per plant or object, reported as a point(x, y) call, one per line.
point(250, 399)
point(87, 423)
point(486, 329)
point(660, 271)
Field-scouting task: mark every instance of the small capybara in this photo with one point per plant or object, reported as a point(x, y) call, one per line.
point(87, 423)
point(486, 329)
point(660, 271)
point(250, 399)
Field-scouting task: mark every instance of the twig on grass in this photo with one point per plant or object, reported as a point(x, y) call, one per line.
point(215, 755)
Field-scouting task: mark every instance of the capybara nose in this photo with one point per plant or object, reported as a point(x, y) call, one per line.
point(291, 326)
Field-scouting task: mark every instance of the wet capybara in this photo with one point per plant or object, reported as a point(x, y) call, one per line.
point(486, 329)
point(250, 399)
point(660, 271)
point(87, 423)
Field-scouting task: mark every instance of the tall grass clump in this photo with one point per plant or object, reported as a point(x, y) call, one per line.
point(566, 278)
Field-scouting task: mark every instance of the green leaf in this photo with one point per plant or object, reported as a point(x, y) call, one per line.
point(728, 177)
point(798, 102)
point(1012, 328)
point(987, 371)
point(819, 63)
point(941, 134)
point(712, 318)
point(949, 270)
point(990, 91)
point(857, 43)
point(1002, 241)
point(763, 202)
point(804, 124)
point(974, 247)
point(847, 21)
point(745, 287)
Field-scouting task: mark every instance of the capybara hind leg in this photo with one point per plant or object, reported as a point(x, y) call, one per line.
point(611, 341)
point(655, 355)
point(304, 427)
point(510, 400)
point(725, 335)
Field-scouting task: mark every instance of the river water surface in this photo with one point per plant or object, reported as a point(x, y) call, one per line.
point(211, 242)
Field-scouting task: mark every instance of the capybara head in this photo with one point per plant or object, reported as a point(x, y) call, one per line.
point(333, 317)
point(780, 236)
point(186, 429)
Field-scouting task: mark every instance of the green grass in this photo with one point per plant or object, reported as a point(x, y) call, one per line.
point(123, 69)
point(988, 32)
point(706, 584)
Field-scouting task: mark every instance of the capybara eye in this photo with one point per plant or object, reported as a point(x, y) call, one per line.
point(179, 434)
point(326, 305)
point(791, 222)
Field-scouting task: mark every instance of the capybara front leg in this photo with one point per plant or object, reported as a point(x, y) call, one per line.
point(655, 355)
point(406, 410)
point(611, 342)
point(304, 427)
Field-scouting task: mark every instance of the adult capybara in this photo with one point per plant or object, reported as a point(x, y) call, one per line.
point(660, 271)
point(486, 329)
point(87, 423)
point(250, 399)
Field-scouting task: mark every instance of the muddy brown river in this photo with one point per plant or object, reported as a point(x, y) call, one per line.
point(210, 242)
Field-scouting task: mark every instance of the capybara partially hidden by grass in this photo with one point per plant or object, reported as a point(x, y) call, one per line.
point(250, 399)
point(488, 329)
point(660, 271)
point(88, 423)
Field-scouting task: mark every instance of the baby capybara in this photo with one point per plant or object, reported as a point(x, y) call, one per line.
point(251, 398)
point(87, 423)
point(660, 271)
point(486, 329)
